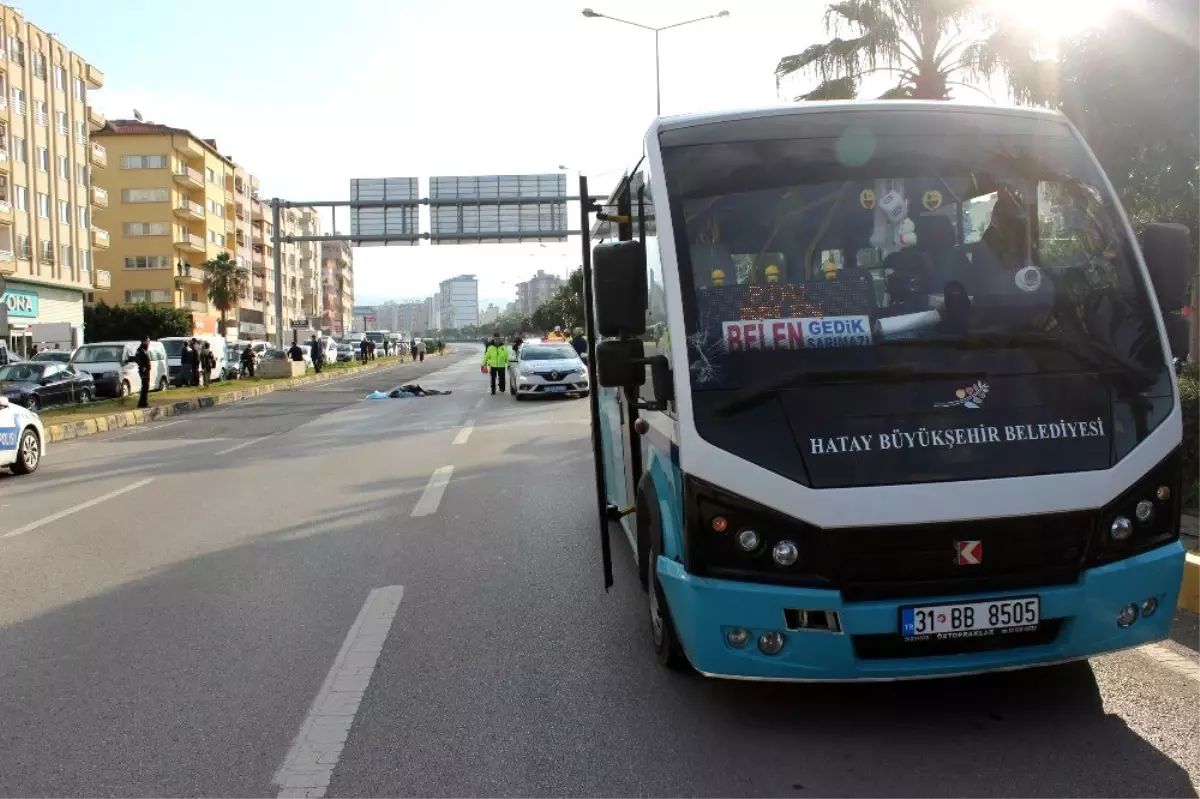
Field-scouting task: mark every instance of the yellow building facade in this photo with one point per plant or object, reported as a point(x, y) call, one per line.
point(48, 162)
point(172, 206)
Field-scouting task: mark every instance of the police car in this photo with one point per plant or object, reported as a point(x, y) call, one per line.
point(545, 368)
point(22, 438)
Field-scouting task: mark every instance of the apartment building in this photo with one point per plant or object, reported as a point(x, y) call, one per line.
point(47, 160)
point(294, 222)
point(532, 293)
point(337, 287)
point(459, 302)
point(308, 253)
point(255, 313)
point(171, 207)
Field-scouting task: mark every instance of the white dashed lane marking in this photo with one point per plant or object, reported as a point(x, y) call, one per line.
point(62, 514)
point(431, 497)
point(245, 444)
point(465, 432)
point(310, 762)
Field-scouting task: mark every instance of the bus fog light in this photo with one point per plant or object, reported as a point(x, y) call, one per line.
point(1162, 494)
point(770, 643)
point(1144, 511)
point(1128, 615)
point(1149, 607)
point(748, 540)
point(785, 553)
point(1121, 528)
point(738, 637)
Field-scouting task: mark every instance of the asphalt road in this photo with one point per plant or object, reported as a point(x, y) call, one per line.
point(308, 594)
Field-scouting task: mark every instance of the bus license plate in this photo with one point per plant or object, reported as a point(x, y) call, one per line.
point(555, 388)
point(971, 618)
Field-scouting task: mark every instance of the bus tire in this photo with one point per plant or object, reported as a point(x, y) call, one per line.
point(667, 648)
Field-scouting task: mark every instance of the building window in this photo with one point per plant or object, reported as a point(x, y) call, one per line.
point(47, 255)
point(18, 100)
point(39, 111)
point(64, 212)
point(43, 159)
point(216, 238)
point(83, 217)
point(81, 132)
point(21, 198)
point(61, 122)
point(217, 208)
point(147, 262)
point(80, 92)
point(85, 261)
point(23, 250)
point(143, 162)
point(66, 255)
point(43, 205)
point(60, 78)
point(148, 295)
point(145, 195)
point(64, 168)
point(19, 150)
point(16, 51)
point(212, 176)
point(39, 65)
point(81, 174)
point(146, 229)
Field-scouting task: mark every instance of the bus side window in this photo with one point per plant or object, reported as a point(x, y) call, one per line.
point(657, 341)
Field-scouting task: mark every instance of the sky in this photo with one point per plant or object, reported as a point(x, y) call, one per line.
point(307, 95)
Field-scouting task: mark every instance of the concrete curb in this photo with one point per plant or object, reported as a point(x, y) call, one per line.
point(102, 424)
point(1189, 591)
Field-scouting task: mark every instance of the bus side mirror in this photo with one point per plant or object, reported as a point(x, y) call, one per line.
point(619, 286)
point(1167, 248)
point(620, 364)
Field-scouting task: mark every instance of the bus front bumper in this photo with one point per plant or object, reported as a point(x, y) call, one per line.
point(869, 646)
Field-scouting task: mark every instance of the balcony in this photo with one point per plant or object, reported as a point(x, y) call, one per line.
point(256, 211)
point(8, 264)
point(4, 167)
point(188, 177)
point(5, 210)
point(95, 119)
point(190, 242)
point(99, 156)
point(187, 273)
point(188, 147)
point(99, 197)
point(94, 77)
point(103, 280)
point(99, 238)
point(197, 307)
point(186, 209)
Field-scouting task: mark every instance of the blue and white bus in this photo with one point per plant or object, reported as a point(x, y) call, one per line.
point(885, 393)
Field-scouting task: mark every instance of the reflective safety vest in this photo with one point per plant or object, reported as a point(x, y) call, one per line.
point(496, 357)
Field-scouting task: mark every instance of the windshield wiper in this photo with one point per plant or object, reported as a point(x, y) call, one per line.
point(753, 395)
point(1094, 353)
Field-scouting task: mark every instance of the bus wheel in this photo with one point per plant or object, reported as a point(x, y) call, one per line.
point(662, 629)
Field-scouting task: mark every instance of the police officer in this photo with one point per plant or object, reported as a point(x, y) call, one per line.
point(495, 360)
point(142, 358)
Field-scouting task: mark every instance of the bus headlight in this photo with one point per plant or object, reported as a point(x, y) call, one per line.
point(748, 540)
point(785, 553)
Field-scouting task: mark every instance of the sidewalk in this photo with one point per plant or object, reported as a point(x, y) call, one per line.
point(63, 426)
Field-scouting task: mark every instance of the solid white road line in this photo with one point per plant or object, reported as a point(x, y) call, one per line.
point(465, 432)
point(245, 444)
point(431, 497)
point(81, 506)
point(1167, 657)
point(315, 753)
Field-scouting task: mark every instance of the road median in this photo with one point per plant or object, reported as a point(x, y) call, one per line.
point(69, 426)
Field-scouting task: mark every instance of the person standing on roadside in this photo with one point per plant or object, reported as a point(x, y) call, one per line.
point(248, 361)
point(318, 353)
point(196, 362)
point(142, 359)
point(187, 364)
point(421, 350)
point(208, 362)
point(579, 343)
point(412, 349)
point(495, 361)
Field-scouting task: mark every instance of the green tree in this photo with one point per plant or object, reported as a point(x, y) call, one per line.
point(225, 282)
point(104, 322)
point(1133, 90)
point(927, 46)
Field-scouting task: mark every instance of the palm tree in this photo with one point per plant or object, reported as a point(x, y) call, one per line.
point(928, 46)
point(225, 282)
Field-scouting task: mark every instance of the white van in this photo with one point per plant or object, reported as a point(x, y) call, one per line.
point(114, 370)
point(174, 346)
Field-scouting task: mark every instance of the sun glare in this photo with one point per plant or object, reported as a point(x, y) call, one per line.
point(1058, 18)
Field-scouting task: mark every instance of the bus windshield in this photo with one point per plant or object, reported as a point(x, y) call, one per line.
point(851, 279)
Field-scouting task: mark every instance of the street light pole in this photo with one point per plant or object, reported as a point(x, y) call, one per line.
point(592, 14)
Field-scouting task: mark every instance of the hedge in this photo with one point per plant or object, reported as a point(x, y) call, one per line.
point(1189, 395)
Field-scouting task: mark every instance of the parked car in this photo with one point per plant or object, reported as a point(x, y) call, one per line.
point(114, 370)
point(52, 356)
point(35, 385)
point(346, 353)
